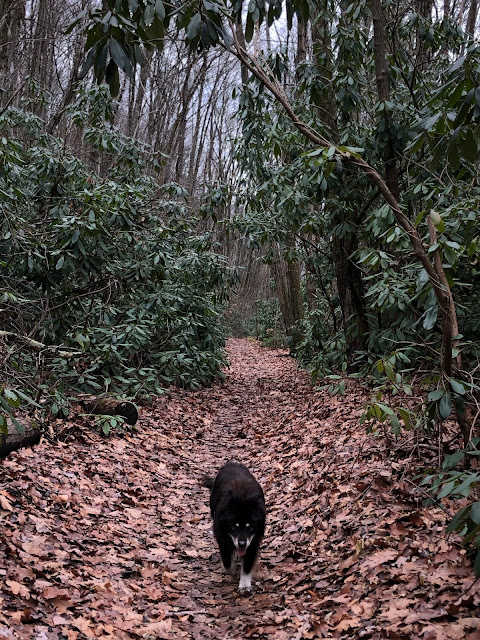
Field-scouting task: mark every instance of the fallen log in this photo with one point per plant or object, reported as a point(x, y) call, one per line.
point(14, 440)
point(111, 407)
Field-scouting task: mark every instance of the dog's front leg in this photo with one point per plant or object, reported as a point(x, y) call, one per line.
point(248, 561)
point(245, 584)
point(226, 551)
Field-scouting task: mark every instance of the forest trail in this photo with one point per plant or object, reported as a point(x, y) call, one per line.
point(111, 537)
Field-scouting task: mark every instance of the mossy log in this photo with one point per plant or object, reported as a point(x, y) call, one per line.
point(111, 407)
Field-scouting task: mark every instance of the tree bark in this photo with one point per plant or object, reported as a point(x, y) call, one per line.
point(11, 19)
point(350, 292)
point(472, 19)
point(381, 73)
point(289, 291)
point(70, 89)
point(42, 50)
point(241, 38)
point(13, 440)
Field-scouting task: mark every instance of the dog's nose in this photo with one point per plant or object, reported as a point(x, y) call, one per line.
point(242, 544)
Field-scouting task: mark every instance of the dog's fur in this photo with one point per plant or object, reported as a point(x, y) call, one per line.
point(237, 505)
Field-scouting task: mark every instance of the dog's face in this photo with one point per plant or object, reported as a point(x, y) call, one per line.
point(241, 534)
point(242, 522)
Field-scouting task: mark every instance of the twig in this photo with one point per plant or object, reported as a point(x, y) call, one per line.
point(39, 346)
point(12, 98)
point(428, 495)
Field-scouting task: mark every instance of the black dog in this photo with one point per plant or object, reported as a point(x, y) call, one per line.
point(237, 505)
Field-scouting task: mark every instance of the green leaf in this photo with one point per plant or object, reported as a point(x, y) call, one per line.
point(457, 520)
point(446, 490)
point(471, 535)
point(88, 62)
point(451, 461)
point(445, 405)
point(330, 152)
point(475, 512)
point(60, 262)
point(120, 57)
point(450, 255)
point(160, 10)
point(115, 79)
point(11, 397)
point(100, 64)
point(457, 387)
point(149, 14)
point(468, 146)
point(435, 395)
point(77, 19)
point(395, 424)
point(193, 28)
point(27, 398)
point(430, 122)
point(456, 65)
point(385, 409)
point(405, 415)
point(249, 27)
point(430, 318)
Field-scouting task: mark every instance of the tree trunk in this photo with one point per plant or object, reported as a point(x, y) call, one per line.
point(381, 73)
point(350, 292)
point(177, 133)
point(348, 276)
point(472, 19)
point(42, 50)
point(241, 39)
point(70, 89)
point(11, 19)
point(289, 291)
point(196, 131)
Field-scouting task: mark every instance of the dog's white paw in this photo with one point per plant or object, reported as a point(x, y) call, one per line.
point(245, 585)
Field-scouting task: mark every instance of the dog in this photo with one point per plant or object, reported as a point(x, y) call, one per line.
point(237, 505)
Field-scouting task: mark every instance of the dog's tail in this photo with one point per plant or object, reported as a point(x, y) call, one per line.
point(207, 481)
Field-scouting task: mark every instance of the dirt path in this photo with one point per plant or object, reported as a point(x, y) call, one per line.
point(111, 538)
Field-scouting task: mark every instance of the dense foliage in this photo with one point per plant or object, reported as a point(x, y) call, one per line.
point(108, 273)
point(355, 174)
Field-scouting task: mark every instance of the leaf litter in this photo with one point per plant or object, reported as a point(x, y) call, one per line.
point(111, 537)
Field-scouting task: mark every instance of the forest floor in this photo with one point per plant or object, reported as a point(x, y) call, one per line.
point(111, 537)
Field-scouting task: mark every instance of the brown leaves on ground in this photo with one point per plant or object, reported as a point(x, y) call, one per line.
point(111, 538)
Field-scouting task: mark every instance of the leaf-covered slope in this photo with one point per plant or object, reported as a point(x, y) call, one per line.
point(111, 538)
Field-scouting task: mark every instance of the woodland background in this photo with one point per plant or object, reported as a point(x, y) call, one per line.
point(312, 180)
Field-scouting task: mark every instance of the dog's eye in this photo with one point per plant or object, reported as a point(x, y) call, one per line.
point(237, 526)
point(248, 525)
